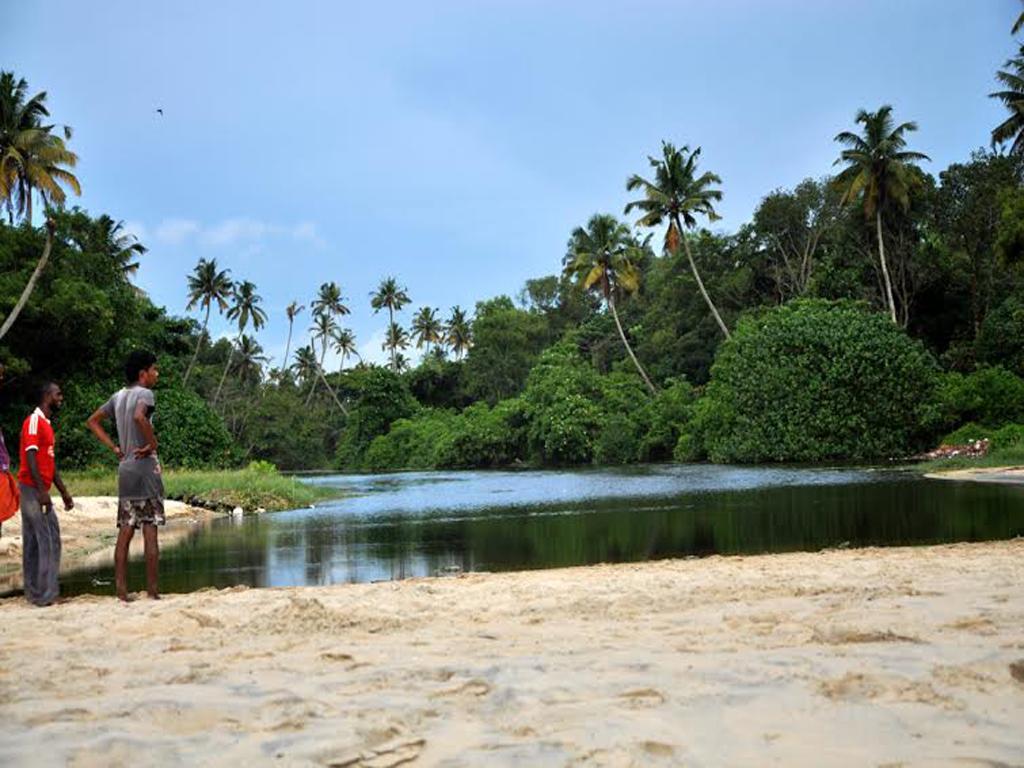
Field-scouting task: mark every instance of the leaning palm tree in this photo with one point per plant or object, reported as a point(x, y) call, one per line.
point(1012, 128)
point(392, 296)
point(426, 328)
point(207, 286)
point(396, 340)
point(458, 332)
point(677, 195)
point(249, 366)
point(322, 330)
point(292, 310)
point(32, 280)
point(603, 257)
point(246, 309)
point(878, 174)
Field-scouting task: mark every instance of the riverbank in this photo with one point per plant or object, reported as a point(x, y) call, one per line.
point(905, 656)
point(252, 489)
point(88, 533)
point(1009, 475)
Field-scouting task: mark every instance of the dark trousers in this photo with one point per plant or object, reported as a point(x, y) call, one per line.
point(40, 549)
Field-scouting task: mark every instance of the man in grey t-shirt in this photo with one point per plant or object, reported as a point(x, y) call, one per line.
point(140, 486)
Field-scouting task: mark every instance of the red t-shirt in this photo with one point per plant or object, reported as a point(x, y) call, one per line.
point(37, 435)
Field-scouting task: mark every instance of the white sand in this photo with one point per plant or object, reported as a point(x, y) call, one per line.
point(88, 533)
point(1005, 475)
point(846, 658)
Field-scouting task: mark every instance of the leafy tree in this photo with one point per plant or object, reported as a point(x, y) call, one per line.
point(506, 342)
point(678, 195)
point(878, 173)
point(383, 399)
point(207, 286)
point(604, 257)
point(245, 309)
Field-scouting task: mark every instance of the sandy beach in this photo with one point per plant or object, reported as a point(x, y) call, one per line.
point(88, 533)
point(1011, 475)
point(902, 656)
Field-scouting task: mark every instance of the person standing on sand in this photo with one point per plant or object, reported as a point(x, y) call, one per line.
point(40, 529)
point(140, 485)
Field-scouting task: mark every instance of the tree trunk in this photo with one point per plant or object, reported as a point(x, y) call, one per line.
point(199, 344)
point(223, 376)
point(629, 349)
point(288, 346)
point(28, 205)
point(31, 285)
point(391, 323)
point(700, 283)
point(885, 266)
point(327, 386)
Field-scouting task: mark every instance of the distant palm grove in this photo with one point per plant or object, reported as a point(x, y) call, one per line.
point(861, 315)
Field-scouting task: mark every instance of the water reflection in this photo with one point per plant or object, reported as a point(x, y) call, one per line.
point(420, 524)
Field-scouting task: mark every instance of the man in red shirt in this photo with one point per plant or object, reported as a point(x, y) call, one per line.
point(40, 530)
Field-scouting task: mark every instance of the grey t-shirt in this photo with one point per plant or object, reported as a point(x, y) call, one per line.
point(137, 478)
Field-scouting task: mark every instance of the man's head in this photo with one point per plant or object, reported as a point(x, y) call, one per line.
point(50, 397)
point(141, 368)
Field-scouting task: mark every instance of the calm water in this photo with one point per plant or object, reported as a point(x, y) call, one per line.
point(416, 524)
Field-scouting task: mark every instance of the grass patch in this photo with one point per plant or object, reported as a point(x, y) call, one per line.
point(1012, 456)
point(249, 489)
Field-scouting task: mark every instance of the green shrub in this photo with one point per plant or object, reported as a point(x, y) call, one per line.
point(968, 433)
point(383, 399)
point(485, 437)
point(618, 442)
point(410, 443)
point(989, 396)
point(1009, 436)
point(815, 380)
point(668, 416)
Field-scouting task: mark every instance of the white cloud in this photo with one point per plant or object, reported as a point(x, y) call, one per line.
point(307, 232)
point(176, 231)
point(372, 351)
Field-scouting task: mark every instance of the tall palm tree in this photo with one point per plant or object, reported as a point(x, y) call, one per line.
point(322, 330)
point(31, 284)
point(878, 174)
point(1012, 128)
point(32, 157)
point(251, 360)
point(207, 286)
point(305, 365)
point(396, 340)
point(603, 257)
point(1018, 24)
point(345, 346)
point(292, 310)
point(678, 195)
point(121, 247)
point(245, 309)
point(329, 300)
point(458, 332)
point(392, 296)
point(427, 328)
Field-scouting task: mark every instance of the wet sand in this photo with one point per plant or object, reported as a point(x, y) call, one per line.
point(1009, 475)
point(88, 533)
point(902, 656)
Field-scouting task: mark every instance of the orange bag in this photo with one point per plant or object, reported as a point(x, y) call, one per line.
point(10, 498)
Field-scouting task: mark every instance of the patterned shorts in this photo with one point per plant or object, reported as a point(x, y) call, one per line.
point(139, 512)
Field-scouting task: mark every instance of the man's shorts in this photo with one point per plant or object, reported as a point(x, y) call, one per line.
point(139, 512)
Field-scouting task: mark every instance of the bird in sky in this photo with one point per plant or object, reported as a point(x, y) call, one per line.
point(160, 112)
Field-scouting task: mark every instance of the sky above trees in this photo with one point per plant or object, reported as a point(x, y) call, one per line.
point(456, 145)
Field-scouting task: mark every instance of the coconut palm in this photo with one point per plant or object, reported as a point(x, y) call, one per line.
point(322, 330)
point(207, 286)
point(329, 300)
point(393, 297)
point(396, 340)
point(245, 310)
point(122, 247)
point(250, 362)
point(344, 345)
point(305, 366)
point(32, 157)
point(1012, 128)
point(878, 174)
point(32, 280)
point(292, 311)
point(427, 328)
point(603, 257)
point(458, 332)
point(1018, 24)
point(677, 195)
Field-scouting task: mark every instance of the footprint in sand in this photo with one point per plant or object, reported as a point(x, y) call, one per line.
point(389, 755)
point(642, 698)
point(475, 687)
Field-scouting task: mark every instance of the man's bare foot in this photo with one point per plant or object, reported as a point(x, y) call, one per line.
point(153, 595)
point(124, 597)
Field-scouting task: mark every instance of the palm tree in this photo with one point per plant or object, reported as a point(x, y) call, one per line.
point(207, 286)
point(292, 311)
point(32, 158)
point(345, 346)
point(392, 296)
point(246, 308)
point(250, 360)
point(678, 195)
point(323, 329)
point(1018, 24)
point(305, 364)
point(458, 332)
point(1012, 128)
point(878, 174)
point(397, 339)
point(604, 257)
point(427, 328)
point(329, 300)
point(31, 284)
point(123, 248)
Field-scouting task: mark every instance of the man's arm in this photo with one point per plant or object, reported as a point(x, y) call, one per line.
point(69, 503)
point(33, 471)
point(95, 423)
point(142, 421)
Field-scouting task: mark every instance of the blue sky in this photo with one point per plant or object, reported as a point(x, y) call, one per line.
point(457, 144)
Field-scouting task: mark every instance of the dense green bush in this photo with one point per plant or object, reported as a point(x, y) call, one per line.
point(485, 437)
point(383, 399)
point(411, 443)
point(816, 380)
point(1007, 436)
point(668, 417)
point(1001, 337)
point(989, 396)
